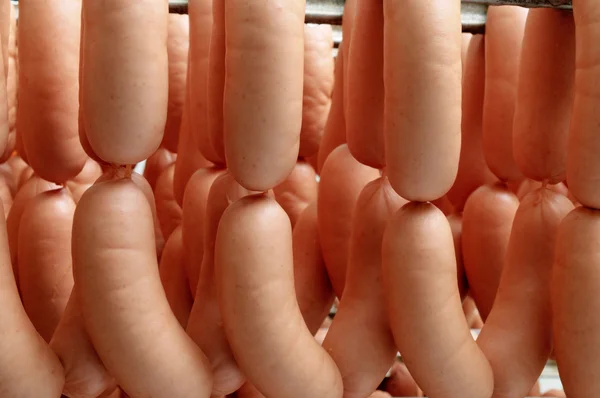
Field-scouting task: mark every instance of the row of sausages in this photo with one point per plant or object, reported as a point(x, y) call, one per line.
point(448, 165)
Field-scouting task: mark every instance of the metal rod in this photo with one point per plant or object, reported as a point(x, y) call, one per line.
point(561, 4)
point(474, 12)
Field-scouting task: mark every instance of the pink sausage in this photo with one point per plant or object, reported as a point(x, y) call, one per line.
point(262, 109)
point(422, 77)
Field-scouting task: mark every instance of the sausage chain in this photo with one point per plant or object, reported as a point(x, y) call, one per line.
point(422, 166)
point(422, 158)
point(576, 268)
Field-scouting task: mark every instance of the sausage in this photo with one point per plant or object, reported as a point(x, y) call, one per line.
point(335, 128)
point(419, 261)
point(347, 28)
point(48, 107)
point(177, 50)
point(85, 375)
point(193, 220)
point(5, 19)
point(545, 95)
point(11, 86)
point(168, 211)
point(365, 91)
point(518, 329)
point(122, 288)
point(216, 81)
point(5, 94)
point(487, 222)
point(311, 282)
point(504, 32)
point(297, 191)
point(583, 168)
point(201, 21)
point(472, 169)
point(261, 119)
point(263, 322)
point(83, 139)
point(157, 163)
point(4, 117)
point(574, 286)
point(318, 86)
point(360, 340)
point(189, 159)
point(455, 221)
point(342, 180)
point(422, 152)
point(28, 191)
point(206, 323)
point(174, 278)
point(28, 368)
point(119, 33)
point(44, 255)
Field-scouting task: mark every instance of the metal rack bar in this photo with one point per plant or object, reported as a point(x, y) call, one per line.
point(474, 12)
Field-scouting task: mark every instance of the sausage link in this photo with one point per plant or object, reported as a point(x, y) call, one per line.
point(177, 50)
point(205, 326)
point(201, 26)
point(126, 79)
point(318, 86)
point(422, 78)
point(472, 169)
point(11, 87)
point(194, 220)
point(174, 278)
point(575, 302)
point(28, 368)
point(365, 91)
point(189, 159)
point(311, 282)
point(45, 268)
point(517, 335)
point(48, 106)
point(487, 223)
point(364, 353)
point(262, 321)
point(419, 261)
point(545, 95)
point(583, 166)
point(342, 180)
point(216, 80)
point(118, 277)
point(168, 211)
point(504, 32)
point(28, 191)
point(262, 109)
point(335, 128)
